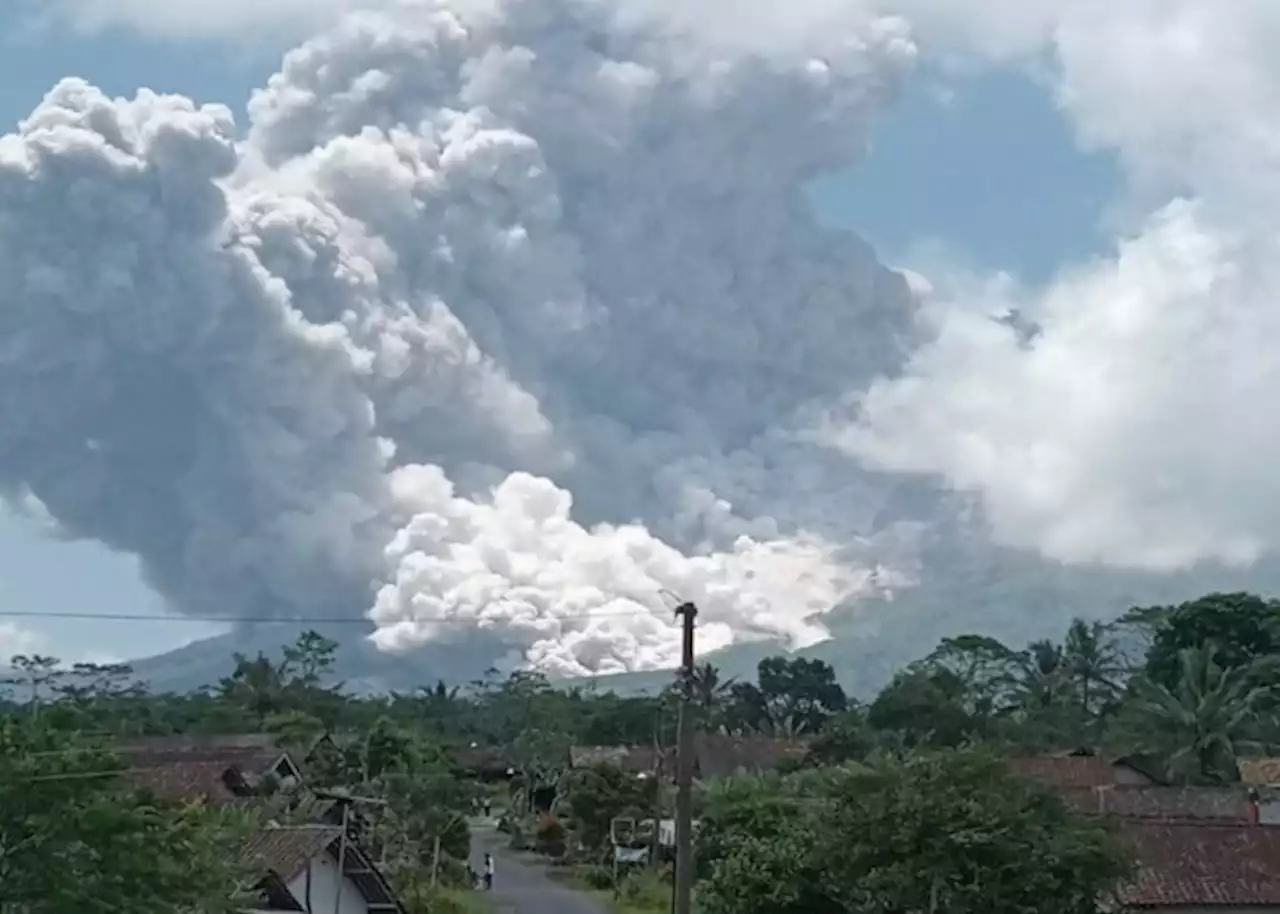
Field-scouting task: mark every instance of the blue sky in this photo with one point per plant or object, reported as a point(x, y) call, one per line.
point(989, 170)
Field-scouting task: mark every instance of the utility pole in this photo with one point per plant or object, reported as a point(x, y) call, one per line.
point(345, 800)
point(342, 857)
point(435, 862)
point(683, 899)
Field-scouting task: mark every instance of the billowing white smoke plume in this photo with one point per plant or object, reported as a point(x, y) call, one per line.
point(466, 259)
point(1136, 427)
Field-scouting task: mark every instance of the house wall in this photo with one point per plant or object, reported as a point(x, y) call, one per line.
point(1130, 776)
point(1252, 909)
point(324, 889)
point(1269, 812)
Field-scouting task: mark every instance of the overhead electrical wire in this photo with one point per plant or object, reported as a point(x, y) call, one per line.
point(298, 620)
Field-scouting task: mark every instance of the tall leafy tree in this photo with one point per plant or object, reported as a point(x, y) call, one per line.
point(942, 832)
point(791, 695)
point(928, 707)
point(1243, 628)
point(985, 667)
point(256, 686)
point(1199, 725)
point(1096, 670)
point(73, 837)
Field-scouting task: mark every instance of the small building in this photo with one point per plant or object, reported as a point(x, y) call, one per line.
point(310, 868)
point(1202, 804)
point(631, 759)
point(720, 755)
point(300, 864)
point(1081, 770)
point(216, 769)
point(1186, 867)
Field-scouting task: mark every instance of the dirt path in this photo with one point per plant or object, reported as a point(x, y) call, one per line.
point(521, 884)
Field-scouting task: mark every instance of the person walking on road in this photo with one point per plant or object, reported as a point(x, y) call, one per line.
point(488, 872)
point(487, 808)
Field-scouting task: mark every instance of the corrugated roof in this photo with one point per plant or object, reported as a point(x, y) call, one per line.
point(285, 851)
point(1201, 865)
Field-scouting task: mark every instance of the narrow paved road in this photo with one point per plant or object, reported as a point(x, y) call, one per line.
point(523, 887)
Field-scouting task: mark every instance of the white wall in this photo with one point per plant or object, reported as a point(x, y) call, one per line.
point(1129, 776)
point(324, 889)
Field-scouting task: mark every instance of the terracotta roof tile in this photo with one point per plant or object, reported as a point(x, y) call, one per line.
point(1221, 804)
point(194, 772)
point(1190, 864)
point(188, 743)
point(628, 758)
point(1067, 770)
point(719, 755)
point(182, 781)
point(1260, 772)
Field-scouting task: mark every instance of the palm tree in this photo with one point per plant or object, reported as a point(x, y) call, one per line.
point(1199, 725)
point(782, 726)
point(1042, 677)
point(1094, 666)
point(709, 690)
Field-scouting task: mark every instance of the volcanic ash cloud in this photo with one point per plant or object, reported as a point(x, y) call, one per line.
point(465, 261)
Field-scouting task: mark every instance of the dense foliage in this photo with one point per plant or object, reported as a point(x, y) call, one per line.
point(947, 831)
point(902, 803)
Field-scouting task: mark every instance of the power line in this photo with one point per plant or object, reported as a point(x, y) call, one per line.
point(310, 620)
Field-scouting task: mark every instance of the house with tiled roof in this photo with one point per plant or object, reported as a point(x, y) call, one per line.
point(304, 868)
point(633, 759)
point(1259, 772)
point(214, 769)
point(1188, 867)
point(720, 755)
point(1203, 804)
point(310, 868)
point(1079, 770)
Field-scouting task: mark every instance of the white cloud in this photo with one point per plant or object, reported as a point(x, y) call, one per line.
point(1136, 429)
point(14, 640)
point(243, 21)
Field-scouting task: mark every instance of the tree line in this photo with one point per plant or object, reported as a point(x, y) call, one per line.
point(856, 823)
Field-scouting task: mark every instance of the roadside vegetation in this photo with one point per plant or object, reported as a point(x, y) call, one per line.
point(903, 802)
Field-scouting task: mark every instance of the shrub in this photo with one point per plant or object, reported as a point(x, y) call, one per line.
point(549, 836)
point(597, 877)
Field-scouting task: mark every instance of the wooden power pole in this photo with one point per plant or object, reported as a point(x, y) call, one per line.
point(345, 800)
point(683, 899)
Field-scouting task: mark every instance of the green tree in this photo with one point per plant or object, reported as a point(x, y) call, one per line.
point(793, 694)
point(941, 832)
point(35, 677)
point(1095, 669)
point(928, 707)
point(256, 686)
point(598, 795)
point(1243, 628)
point(1199, 724)
point(710, 690)
point(985, 667)
point(846, 737)
point(74, 838)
